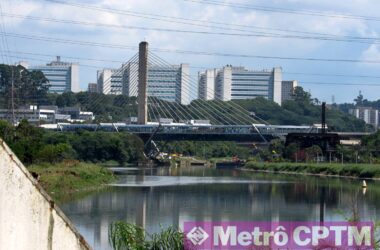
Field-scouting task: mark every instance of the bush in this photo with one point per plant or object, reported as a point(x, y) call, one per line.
point(55, 153)
point(125, 236)
point(359, 170)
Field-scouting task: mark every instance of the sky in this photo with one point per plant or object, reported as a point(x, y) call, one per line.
point(269, 28)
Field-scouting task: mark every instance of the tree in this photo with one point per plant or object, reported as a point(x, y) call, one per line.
point(55, 153)
point(301, 96)
point(6, 131)
point(27, 142)
point(29, 87)
point(313, 151)
point(291, 150)
point(359, 100)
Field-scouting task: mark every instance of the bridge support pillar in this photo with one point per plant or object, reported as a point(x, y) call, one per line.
point(142, 84)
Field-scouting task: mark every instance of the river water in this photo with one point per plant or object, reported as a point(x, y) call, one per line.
point(162, 197)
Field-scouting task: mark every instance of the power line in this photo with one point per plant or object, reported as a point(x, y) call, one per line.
point(343, 84)
point(194, 67)
point(198, 22)
point(300, 81)
point(200, 53)
point(285, 10)
point(366, 40)
point(333, 75)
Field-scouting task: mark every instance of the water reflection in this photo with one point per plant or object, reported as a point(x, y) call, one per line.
point(165, 197)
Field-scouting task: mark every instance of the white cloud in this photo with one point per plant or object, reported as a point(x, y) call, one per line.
point(177, 8)
point(372, 53)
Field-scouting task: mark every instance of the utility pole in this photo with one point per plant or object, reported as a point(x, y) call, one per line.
point(12, 96)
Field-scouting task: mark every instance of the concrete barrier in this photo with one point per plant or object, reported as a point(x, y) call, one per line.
point(29, 218)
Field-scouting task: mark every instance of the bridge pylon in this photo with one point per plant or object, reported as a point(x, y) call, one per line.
point(142, 99)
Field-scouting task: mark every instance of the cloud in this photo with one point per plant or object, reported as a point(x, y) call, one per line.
point(372, 53)
point(248, 19)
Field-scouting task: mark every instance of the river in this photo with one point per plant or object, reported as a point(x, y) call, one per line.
point(162, 197)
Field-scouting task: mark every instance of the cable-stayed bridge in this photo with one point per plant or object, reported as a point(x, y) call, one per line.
point(168, 107)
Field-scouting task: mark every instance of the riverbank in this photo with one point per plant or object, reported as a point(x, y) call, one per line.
point(365, 171)
point(72, 177)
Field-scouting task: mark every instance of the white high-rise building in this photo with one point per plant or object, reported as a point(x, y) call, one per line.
point(367, 114)
point(169, 83)
point(236, 83)
point(206, 86)
point(288, 90)
point(62, 76)
point(110, 81)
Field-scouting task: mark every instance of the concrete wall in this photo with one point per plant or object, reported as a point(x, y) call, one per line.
point(29, 219)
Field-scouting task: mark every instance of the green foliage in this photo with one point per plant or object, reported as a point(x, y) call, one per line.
point(106, 108)
point(55, 153)
point(300, 111)
point(351, 170)
point(63, 179)
point(6, 131)
point(27, 141)
point(100, 146)
point(33, 145)
point(372, 143)
point(126, 236)
point(29, 87)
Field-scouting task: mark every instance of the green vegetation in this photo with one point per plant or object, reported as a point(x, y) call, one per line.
point(303, 110)
point(367, 152)
point(65, 178)
point(106, 108)
point(359, 101)
point(205, 150)
point(32, 89)
point(126, 236)
point(347, 170)
point(28, 87)
point(34, 145)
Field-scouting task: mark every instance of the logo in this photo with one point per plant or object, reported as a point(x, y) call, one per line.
point(197, 235)
point(236, 235)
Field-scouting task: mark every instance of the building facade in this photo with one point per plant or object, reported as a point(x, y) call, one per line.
point(206, 84)
point(369, 115)
point(110, 81)
point(92, 87)
point(168, 83)
point(287, 90)
point(237, 83)
point(47, 114)
point(62, 76)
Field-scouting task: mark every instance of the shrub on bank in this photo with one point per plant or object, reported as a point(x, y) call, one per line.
point(70, 176)
point(351, 170)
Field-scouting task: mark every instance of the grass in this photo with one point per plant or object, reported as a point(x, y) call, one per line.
point(66, 178)
point(346, 170)
point(125, 236)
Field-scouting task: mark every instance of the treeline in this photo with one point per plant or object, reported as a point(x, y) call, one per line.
point(359, 101)
point(31, 88)
point(303, 110)
point(106, 108)
point(205, 150)
point(34, 145)
point(277, 151)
